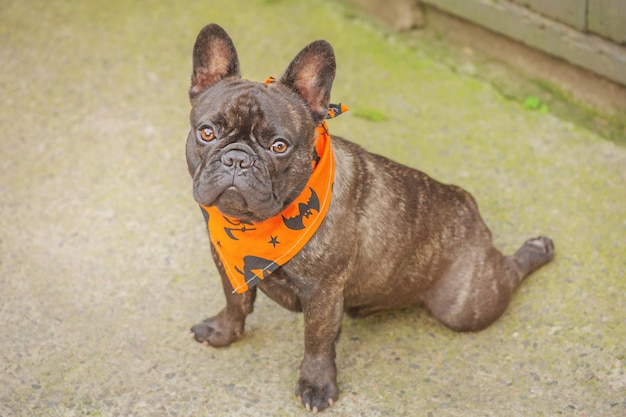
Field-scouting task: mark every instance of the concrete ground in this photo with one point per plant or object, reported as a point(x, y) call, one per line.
point(104, 260)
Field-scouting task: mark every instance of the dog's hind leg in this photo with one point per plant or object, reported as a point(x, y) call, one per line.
point(478, 286)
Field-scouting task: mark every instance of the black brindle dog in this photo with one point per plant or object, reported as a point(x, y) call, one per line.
point(392, 236)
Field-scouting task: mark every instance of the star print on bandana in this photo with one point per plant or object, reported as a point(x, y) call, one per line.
point(274, 241)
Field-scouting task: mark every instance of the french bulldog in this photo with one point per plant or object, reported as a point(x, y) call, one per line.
point(391, 237)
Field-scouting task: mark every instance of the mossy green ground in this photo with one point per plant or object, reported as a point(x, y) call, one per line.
point(104, 262)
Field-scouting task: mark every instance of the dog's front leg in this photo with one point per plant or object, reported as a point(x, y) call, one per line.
point(317, 385)
point(226, 326)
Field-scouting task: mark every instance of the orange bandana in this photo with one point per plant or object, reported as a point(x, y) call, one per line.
point(251, 251)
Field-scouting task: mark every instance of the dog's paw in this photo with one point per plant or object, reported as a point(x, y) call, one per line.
point(317, 397)
point(217, 331)
point(534, 253)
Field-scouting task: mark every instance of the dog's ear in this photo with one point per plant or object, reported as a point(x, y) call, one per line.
point(311, 75)
point(214, 58)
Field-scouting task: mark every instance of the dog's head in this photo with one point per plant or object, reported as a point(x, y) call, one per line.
point(250, 146)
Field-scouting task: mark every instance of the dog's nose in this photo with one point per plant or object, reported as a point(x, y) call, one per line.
point(237, 159)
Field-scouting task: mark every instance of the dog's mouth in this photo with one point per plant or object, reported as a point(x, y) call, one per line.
point(231, 200)
point(244, 192)
point(243, 204)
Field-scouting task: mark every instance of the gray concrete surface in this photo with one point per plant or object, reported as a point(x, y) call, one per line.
point(104, 262)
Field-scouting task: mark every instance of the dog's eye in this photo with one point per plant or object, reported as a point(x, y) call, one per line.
point(279, 146)
point(205, 135)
